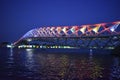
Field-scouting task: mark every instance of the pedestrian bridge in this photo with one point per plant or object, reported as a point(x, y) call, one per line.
point(103, 35)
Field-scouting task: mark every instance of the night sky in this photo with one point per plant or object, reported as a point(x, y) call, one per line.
point(19, 16)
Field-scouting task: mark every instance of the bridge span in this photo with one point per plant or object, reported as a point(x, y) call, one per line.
point(103, 35)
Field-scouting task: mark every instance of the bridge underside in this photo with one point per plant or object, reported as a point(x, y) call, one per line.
point(105, 42)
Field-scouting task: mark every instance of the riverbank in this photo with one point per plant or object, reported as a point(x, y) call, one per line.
point(72, 50)
point(66, 50)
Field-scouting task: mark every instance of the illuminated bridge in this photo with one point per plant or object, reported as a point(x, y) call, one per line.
point(103, 35)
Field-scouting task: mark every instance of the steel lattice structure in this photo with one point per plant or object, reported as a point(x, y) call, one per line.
point(99, 35)
point(75, 31)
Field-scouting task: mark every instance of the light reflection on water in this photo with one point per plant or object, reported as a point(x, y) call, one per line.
point(31, 64)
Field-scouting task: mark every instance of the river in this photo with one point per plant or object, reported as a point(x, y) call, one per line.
point(35, 64)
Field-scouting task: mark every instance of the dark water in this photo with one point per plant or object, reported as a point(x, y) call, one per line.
point(31, 64)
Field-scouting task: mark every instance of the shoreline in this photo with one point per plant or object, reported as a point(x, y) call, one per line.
point(67, 50)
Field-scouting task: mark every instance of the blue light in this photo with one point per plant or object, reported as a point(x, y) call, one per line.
point(114, 27)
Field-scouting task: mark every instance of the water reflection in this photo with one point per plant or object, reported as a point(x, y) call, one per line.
point(115, 70)
point(66, 67)
point(10, 56)
point(30, 64)
point(85, 69)
point(10, 63)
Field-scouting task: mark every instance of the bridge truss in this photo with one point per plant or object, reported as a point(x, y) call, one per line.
point(103, 35)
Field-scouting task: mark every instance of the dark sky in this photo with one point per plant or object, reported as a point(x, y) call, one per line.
point(19, 16)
